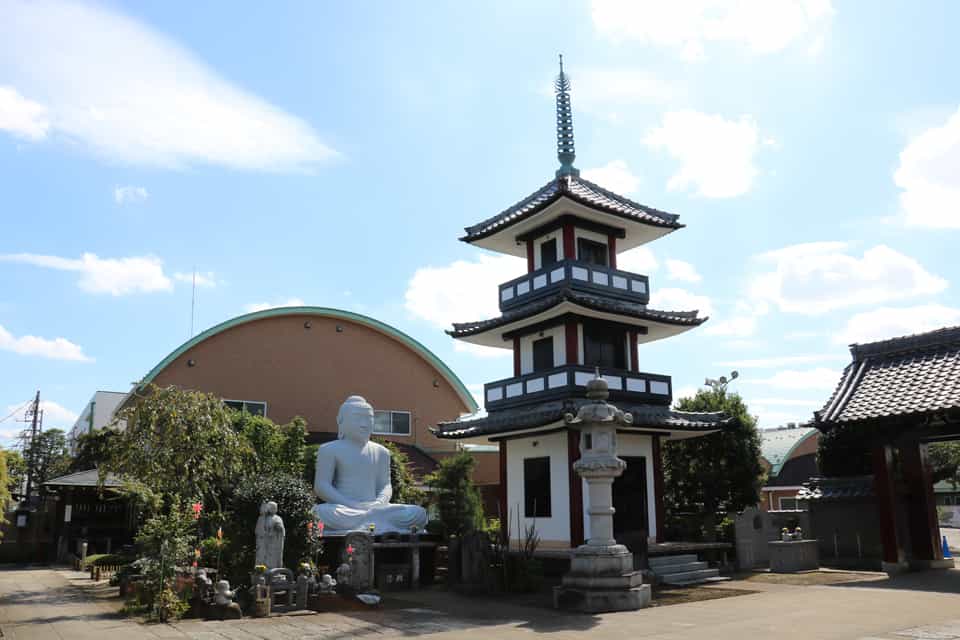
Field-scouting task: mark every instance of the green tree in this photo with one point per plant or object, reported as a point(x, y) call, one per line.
point(94, 448)
point(274, 448)
point(718, 472)
point(4, 490)
point(179, 443)
point(404, 485)
point(458, 500)
point(48, 455)
point(166, 541)
point(16, 470)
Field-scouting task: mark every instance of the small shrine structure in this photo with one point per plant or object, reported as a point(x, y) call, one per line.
point(573, 313)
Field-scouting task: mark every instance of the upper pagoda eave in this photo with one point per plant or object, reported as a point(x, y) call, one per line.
point(657, 324)
point(571, 195)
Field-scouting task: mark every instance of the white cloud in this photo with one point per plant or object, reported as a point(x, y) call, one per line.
point(716, 155)
point(929, 176)
point(638, 260)
point(768, 418)
point(683, 271)
point(762, 26)
point(780, 361)
point(615, 176)
point(129, 194)
point(818, 277)
point(461, 291)
point(818, 379)
point(55, 349)
point(674, 299)
point(133, 95)
point(21, 117)
point(56, 415)
point(742, 323)
point(263, 306)
point(613, 92)
point(116, 276)
point(888, 322)
point(205, 280)
point(789, 402)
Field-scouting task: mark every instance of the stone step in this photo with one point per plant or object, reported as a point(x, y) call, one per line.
point(701, 582)
point(680, 568)
point(689, 577)
point(660, 561)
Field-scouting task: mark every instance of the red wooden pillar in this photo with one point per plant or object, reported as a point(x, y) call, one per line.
point(502, 497)
point(576, 489)
point(569, 243)
point(612, 250)
point(883, 488)
point(531, 263)
point(572, 342)
point(921, 505)
point(516, 356)
point(657, 455)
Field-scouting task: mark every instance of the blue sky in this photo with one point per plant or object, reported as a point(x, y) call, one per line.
point(331, 153)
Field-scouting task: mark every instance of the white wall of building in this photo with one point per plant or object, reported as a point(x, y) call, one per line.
point(555, 530)
point(553, 235)
point(559, 348)
point(632, 445)
point(97, 414)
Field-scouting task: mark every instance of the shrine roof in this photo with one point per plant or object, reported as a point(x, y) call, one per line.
point(579, 190)
point(848, 488)
point(914, 375)
point(531, 416)
point(89, 478)
point(590, 301)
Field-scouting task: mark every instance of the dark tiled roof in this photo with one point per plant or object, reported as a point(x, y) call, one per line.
point(909, 376)
point(578, 190)
point(595, 302)
point(88, 478)
point(531, 416)
point(837, 488)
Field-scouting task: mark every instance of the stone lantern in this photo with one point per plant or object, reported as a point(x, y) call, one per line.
point(601, 576)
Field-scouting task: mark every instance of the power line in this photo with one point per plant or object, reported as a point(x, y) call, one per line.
point(15, 411)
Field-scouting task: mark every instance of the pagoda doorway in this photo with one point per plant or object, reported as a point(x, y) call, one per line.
point(630, 521)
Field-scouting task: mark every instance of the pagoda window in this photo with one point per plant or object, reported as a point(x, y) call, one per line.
point(548, 253)
point(604, 346)
point(536, 487)
point(592, 252)
point(543, 354)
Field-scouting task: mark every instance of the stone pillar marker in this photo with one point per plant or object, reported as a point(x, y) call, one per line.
point(601, 576)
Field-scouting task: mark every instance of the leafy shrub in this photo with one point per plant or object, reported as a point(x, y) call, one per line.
point(458, 500)
point(405, 489)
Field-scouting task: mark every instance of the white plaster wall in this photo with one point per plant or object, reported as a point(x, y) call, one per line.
point(553, 235)
point(634, 445)
point(559, 348)
point(556, 528)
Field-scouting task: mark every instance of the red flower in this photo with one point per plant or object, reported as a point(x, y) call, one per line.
point(349, 549)
point(310, 526)
point(197, 508)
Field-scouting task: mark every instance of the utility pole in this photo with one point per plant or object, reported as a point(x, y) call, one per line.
point(34, 414)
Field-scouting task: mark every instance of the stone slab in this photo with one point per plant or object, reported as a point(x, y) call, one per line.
point(601, 600)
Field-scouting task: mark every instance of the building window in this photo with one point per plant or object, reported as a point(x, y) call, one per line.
point(604, 347)
point(393, 423)
point(788, 504)
point(592, 252)
point(252, 407)
point(543, 354)
point(536, 487)
point(548, 253)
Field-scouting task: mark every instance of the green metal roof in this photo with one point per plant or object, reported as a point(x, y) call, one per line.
point(325, 312)
point(777, 445)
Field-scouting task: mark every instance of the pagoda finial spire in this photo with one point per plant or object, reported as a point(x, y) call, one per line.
point(565, 151)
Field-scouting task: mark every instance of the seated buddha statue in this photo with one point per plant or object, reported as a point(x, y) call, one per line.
point(353, 479)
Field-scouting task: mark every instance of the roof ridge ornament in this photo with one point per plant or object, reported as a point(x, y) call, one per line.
point(565, 148)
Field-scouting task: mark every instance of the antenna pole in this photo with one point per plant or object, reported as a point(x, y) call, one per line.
point(34, 412)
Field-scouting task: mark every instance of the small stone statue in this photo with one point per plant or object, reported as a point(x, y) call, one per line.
point(224, 606)
point(327, 583)
point(270, 535)
point(344, 572)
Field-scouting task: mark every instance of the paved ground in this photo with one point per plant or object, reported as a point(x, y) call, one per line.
point(65, 605)
point(953, 539)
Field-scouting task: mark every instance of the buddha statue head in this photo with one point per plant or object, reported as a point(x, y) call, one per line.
point(355, 420)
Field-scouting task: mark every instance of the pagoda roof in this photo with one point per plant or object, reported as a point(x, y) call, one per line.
point(645, 417)
point(598, 303)
point(583, 192)
point(913, 376)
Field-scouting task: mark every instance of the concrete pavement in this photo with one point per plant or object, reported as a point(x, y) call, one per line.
point(60, 604)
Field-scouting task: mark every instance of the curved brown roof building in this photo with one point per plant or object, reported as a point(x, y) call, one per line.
point(304, 361)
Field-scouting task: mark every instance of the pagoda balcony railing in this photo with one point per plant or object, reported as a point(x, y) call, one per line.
point(594, 278)
point(569, 381)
